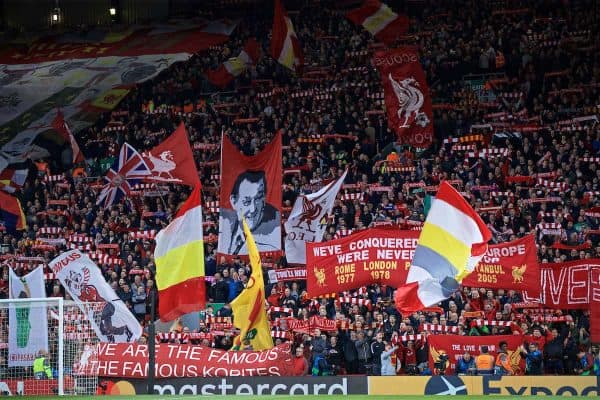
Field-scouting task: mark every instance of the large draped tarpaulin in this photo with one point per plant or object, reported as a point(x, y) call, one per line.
point(84, 79)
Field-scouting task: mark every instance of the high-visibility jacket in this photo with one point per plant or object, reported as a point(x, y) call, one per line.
point(40, 365)
point(503, 361)
point(484, 362)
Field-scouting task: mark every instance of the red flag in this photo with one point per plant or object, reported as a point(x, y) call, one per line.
point(285, 47)
point(379, 20)
point(250, 189)
point(172, 160)
point(222, 76)
point(60, 125)
point(407, 97)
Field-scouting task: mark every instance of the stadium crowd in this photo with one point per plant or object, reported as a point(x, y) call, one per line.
point(516, 75)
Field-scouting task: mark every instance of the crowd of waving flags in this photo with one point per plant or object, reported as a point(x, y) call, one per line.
point(453, 239)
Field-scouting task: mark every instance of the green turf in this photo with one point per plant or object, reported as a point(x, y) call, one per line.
point(330, 397)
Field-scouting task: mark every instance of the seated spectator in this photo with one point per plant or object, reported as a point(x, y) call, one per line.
point(484, 362)
point(465, 364)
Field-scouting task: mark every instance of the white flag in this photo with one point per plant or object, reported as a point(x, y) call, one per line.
point(28, 322)
point(83, 280)
point(308, 220)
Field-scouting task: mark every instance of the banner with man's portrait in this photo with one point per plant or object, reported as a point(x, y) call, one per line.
point(250, 189)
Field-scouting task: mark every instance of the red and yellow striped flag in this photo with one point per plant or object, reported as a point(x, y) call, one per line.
point(179, 257)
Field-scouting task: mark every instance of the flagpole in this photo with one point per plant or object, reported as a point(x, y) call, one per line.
point(151, 343)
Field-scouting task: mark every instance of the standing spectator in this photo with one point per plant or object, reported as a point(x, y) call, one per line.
point(351, 354)
point(377, 348)
point(484, 362)
point(300, 362)
point(220, 289)
point(533, 359)
point(503, 366)
point(139, 303)
point(554, 354)
point(363, 349)
point(586, 364)
point(318, 345)
point(387, 367)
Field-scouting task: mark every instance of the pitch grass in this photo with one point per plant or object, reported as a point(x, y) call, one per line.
point(281, 397)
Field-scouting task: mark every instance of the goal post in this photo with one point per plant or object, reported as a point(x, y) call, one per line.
point(44, 343)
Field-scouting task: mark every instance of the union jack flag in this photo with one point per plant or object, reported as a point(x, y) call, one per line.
point(128, 170)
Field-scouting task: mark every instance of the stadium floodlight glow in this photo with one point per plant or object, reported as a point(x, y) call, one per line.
point(54, 17)
point(112, 11)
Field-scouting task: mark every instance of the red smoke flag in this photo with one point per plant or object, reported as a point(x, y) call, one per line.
point(380, 21)
point(173, 161)
point(285, 47)
point(407, 97)
point(60, 125)
point(222, 76)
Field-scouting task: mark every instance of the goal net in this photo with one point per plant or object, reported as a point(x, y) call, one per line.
point(44, 344)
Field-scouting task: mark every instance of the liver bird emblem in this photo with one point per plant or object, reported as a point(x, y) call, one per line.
point(163, 165)
point(320, 275)
point(514, 358)
point(518, 272)
point(310, 211)
point(410, 99)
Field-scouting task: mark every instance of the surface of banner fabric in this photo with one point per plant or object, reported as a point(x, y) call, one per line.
point(569, 285)
point(130, 360)
point(455, 347)
point(251, 189)
point(511, 265)
point(84, 282)
point(380, 255)
point(27, 322)
point(406, 94)
point(308, 220)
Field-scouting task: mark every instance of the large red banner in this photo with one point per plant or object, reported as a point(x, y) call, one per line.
point(567, 285)
point(137, 43)
point(595, 303)
point(407, 97)
point(123, 360)
point(366, 257)
point(510, 265)
point(250, 189)
point(455, 346)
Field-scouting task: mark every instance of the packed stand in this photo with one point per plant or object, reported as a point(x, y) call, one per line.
point(514, 76)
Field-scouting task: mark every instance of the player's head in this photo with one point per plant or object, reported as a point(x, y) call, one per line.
point(248, 197)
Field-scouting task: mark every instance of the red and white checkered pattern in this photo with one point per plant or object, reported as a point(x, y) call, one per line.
point(406, 338)
point(553, 184)
point(210, 319)
point(80, 247)
point(354, 300)
point(401, 169)
point(79, 238)
point(463, 147)
point(351, 196)
point(549, 225)
point(340, 233)
point(484, 322)
point(592, 159)
point(149, 234)
point(50, 230)
point(439, 328)
point(54, 178)
point(280, 310)
point(553, 214)
point(212, 206)
point(280, 334)
point(502, 194)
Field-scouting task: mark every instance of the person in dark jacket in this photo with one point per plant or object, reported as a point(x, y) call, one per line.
point(350, 354)
point(220, 289)
point(533, 359)
point(553, 354)
point(465, 364)
point(363, 349)
point(377, 347)
point(317, 344)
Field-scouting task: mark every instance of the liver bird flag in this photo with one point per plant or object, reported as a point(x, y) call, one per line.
point(249, 314)
point(308, 220)
point(179, 256)
point(453, 240)
point(172, 160)
point(128, 170)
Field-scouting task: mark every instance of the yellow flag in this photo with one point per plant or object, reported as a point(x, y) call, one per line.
point(249, 314)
